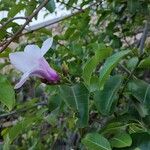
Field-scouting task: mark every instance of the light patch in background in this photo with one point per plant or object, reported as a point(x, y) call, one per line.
point(59, 12)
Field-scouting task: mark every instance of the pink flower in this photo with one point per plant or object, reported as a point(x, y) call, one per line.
point(32, 63)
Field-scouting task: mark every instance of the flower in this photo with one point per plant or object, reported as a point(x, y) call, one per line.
point(32, 63)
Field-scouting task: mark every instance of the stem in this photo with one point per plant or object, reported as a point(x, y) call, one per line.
point(12, 19)
point(76, 8)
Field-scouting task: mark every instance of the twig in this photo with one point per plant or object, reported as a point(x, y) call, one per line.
point(21, 110)
point(130, 76)
point(12, 19)
point(24, 25)
point(76, 8)
point(142, 42)
point(126, 70)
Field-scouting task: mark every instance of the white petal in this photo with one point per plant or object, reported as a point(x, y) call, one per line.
point(46, 46)
point(23, 79)
point(22, 61)
point(33, 51)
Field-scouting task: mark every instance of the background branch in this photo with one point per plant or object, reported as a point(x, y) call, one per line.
point(142, 42)
point(12, 19)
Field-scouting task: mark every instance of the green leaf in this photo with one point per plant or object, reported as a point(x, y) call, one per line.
point(95, 141)
point(101, 53)
point(132, 63)
point(140, 141)
point(7, 94)
point(106, 98)
point(50, 5)
point(15, 10)
point(31, 7)
point(108, 66)
point(54, 102)
point(77, 97)
point(121, 140)
point(113, 128)
point(145, 63)
point(140, 90)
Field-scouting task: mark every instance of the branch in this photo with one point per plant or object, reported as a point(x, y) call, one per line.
point(12, 19)
point(76, 8)
point(24, 25)
point(47, 23)
point(142, 42)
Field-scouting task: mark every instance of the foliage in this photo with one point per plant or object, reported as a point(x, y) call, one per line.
point(102, 101)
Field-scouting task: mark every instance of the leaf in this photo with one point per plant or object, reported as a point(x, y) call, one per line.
point(15, 9)
point(132, 63)
point(95, 141)
point(104, 99)
point(101, 53)
point(140, 90)
point(145, 63)
point(50, 5)
point(31, 7)
point(76, 97)
point(54, 102)
point(19, 128)
point(113, 128)
point(121, 140)
point(110, 63)
point(133, 5)
point(140, 141)
point(7, 94)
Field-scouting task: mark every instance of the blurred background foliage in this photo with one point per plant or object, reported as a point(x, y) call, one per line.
point(101, 52)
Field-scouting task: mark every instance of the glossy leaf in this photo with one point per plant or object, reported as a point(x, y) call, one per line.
point(95, 141)
point(109, 65)
point(106, 98)
point(76, 97)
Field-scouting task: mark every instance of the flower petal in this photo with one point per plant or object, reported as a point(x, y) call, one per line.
point(22, 61)
point(46, 46)
point(33, 51)
point(23, 79)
